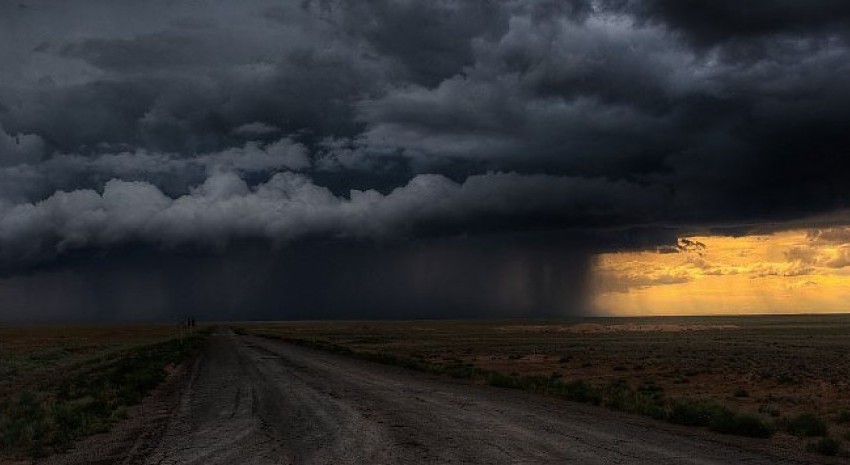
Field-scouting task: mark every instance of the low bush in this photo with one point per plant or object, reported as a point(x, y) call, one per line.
point(581, 391)
point(501, 380)
point(742, 425)
point(807, 425)
point(646, 400)
point(741, 392)
point(825, 446)
point(770, 409)
point(690, 412)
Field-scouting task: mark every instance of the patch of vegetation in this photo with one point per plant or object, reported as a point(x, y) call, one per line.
point(842, 417)
point(825, 446)
point(580, 391)
point(46, 418)
point(690, 412)
point(742, 425)
point(770, 409)
point(806, 425)
point(741, 392)
point(648, 399)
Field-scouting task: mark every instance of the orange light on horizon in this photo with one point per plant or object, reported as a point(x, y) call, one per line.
point(799, 271)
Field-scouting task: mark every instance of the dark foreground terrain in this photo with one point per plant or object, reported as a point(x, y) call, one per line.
point(251, 400)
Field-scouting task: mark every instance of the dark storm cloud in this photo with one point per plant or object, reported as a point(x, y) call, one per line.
point(431, 41)
point(165, 85)
point(728, 20)
point(202, 124)
point(611, 97)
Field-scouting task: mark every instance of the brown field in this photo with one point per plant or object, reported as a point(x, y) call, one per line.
point(28, 353)
point(773, 367)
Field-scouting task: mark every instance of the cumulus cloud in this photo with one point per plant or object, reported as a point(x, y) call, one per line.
point(290, 206)
point(33, 179)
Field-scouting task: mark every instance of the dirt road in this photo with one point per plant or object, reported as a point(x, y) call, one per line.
point(256, 401)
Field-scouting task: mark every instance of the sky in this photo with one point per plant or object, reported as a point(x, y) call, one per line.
point(273, 159)
point(795, 271)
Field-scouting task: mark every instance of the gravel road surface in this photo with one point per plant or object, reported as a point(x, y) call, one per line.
point(250, 400)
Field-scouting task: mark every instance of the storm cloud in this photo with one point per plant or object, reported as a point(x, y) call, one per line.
point(383, 128)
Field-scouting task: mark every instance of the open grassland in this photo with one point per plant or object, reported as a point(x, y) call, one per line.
point(28, 352)
point(58, 384)
point(779, 377)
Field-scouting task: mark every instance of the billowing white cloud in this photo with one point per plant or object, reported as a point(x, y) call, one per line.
point(34, 179)
point(290, 206)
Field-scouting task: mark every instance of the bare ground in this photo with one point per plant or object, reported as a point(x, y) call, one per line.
point(249, 400)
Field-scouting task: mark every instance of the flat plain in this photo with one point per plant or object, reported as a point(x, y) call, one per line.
point(707, 390)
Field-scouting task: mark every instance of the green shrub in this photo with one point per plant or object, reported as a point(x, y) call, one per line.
point(843, 416)
point(742, 425)
point(581, 391)
point(825, 446)
point(696, 412)
point(497, 379)
point(648, 399)
point(770, 409)
point(807, 425)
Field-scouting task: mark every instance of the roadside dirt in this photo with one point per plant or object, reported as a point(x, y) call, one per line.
point(249, 400)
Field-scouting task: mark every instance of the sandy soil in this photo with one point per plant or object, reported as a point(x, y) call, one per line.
point(249, 400)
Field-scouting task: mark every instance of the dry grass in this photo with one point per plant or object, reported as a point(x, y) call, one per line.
point(58, 384)
point(32, 352)
point(772, 368)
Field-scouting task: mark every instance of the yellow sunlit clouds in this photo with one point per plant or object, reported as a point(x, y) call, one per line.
point(801, 271)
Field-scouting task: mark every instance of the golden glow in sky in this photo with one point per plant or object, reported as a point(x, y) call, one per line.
point(801, 271)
